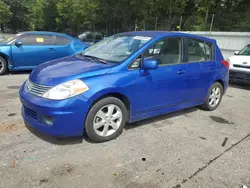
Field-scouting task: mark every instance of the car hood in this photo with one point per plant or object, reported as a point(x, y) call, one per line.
point(239, 59)
point(58, 71)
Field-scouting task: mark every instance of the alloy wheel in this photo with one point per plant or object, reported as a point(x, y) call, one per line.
point(214, 97)
point(107, 120)
point(1, 66)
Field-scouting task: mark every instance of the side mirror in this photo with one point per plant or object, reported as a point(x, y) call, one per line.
point(18, 43)
point(236, 53)
point(150, 64)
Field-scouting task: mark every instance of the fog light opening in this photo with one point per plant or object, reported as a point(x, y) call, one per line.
point(49, 120)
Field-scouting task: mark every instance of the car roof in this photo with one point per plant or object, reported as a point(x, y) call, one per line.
point(46, 32)
point(161, 34)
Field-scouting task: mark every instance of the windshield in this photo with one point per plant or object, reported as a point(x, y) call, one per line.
point(10, 39)
point(116, 48)
point(245, 51)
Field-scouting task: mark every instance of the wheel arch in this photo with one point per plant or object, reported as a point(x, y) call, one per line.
point(5, 56)
point(221, 82)
point(124, 98)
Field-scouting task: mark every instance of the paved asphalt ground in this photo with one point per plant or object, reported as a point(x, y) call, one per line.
point(182, 149)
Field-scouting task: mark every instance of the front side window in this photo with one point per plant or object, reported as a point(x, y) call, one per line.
point(245, 51)
point(37, 40)
point(116, 48)
point(167, 51)
point(195, 50)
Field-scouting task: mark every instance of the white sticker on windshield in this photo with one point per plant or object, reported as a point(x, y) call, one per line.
point(142, 38)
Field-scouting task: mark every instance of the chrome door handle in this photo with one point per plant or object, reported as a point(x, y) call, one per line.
point(180, 72)
point(51, 49)
point(212, 67)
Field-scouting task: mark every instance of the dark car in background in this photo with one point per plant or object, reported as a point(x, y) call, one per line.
point(24, 51)
point(91, 37)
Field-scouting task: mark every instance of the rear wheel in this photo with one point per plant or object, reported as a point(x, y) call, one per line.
point(214, 97)
point(106, 119)
point(3, 66)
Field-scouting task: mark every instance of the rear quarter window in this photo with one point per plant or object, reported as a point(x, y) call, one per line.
point(209, 51)
point(60, 40)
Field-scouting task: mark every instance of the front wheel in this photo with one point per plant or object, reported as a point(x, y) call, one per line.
point(106, 119)
point(213, 97)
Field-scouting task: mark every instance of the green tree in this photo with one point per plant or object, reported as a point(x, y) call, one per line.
point(5, 14)
point(21, 14)
point(44, 14)
point(75, 15)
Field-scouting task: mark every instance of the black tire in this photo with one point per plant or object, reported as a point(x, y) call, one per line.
point(3, 66)
point(206, 105)
point(89, 126)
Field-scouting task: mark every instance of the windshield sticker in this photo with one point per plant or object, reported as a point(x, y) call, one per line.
point(142, 38)
point(40, 40)
point(9, 39)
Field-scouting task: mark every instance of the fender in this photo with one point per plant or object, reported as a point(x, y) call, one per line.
point(105, 92)
point(5, 51)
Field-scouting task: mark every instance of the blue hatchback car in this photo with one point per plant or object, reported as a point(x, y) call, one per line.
point(26, 50)
point(124, 78)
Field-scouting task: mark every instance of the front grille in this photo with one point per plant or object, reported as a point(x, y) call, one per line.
point(30, 113)
point(242, 66)
point(36, 89)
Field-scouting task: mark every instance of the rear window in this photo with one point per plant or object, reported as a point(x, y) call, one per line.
point(60, 40)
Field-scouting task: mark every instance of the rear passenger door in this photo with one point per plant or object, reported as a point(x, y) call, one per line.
point(64, 46)
point(201, 68)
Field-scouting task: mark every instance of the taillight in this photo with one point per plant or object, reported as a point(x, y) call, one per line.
point(225, 63)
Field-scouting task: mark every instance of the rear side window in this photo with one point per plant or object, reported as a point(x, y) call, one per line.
point(60, 40)
point(198, 50)
point(89, 37)
point(98, 37)
point(37, 40)
point(195, 50)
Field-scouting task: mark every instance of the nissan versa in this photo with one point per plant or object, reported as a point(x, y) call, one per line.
point(124, 78)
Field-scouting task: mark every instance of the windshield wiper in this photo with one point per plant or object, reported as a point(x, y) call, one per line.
point(96, 59)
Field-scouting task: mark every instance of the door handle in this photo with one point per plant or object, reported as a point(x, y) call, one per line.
point(51, 49)
point(180, 72)
point(212, 67)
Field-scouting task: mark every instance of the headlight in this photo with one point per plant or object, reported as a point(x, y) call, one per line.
point(26, 85)
point(66, 90)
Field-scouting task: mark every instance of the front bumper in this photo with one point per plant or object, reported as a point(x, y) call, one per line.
point(68, 115)
point(239, 76)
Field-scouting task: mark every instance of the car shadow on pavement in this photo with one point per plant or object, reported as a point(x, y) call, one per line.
point(161, 118)
point(240, 86)
point(17, 73)
point(80, 139)
point(57, 140)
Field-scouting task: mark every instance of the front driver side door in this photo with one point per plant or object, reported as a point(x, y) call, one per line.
point(34, 50)
point(164, 87)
